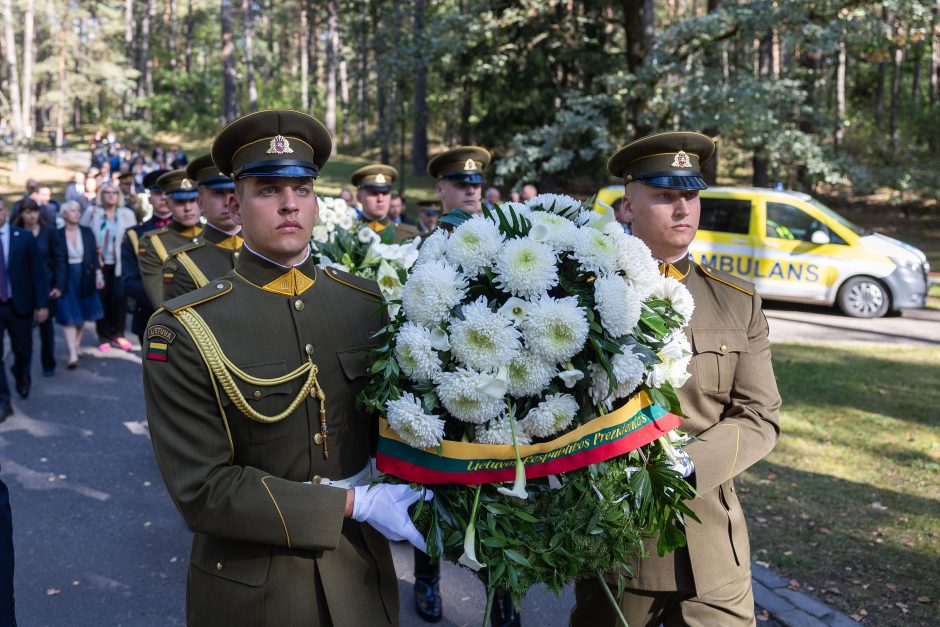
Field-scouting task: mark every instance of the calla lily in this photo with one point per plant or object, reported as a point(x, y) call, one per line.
point(518, 485)
point(496, 385)
point(539, 233)
point(515, 309)
point(387, 278)
point(439, 340)
point(469, 557)
point(570, 375)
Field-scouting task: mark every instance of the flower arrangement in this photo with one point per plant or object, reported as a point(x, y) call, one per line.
point(529, 378)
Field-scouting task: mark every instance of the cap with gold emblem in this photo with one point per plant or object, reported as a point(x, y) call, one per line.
point(177, 185)
point(150, 181)
point(377, 177)
point(204, 172)
point(461, 165)
point(277, 142)
point(430, 207)
point(670, 160)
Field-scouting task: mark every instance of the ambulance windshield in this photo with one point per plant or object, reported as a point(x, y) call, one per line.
point(843, 221)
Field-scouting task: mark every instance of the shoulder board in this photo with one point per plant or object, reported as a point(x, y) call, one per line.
point(407, 228)
point(185, 247)
point(352, 281)
point(198, 296)
point(152, 232)
point(728, 279)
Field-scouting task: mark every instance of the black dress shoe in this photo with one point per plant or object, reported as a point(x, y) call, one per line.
point(22, 388)
point(504, 613)
point(6, 411)
point(428, 603)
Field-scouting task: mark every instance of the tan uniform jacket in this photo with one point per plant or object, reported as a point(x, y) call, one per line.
point(731, 403)
point(402, 232)
point(269, 549)
point(194, 264)
point(154, 248)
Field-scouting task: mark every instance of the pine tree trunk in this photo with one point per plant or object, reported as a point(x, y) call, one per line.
point(16, 102)
point(898, 57)
point(363, 69)
point(144, 63)
point(840, 96)
point(313, 51)
point(934, 140)
point(229, 109)
point(29, 56)
point(764, 64)
point(466, 92)
point(343, 84)
point(62, 101)
point(169, 20)
point(638, 16)
point(882, 73)
point(190, 34)
point(419, 131)
point(304, 59)
point(713, 60)
point(248, 26)
point(332, 43)
point(129, 50)
point(915, 79)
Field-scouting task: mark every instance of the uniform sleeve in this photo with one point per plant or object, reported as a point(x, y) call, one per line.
point(150, 267)
point(130, 272)
point(176, 279)
point(192, 448)
point(750, 425)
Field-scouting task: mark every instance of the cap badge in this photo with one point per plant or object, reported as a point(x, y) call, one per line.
point(380, 178)
point(279, 146)
point(682, 160)
point(186, 184)
point(470, 165)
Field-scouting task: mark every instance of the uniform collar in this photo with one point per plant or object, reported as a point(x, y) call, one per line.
point(222, 239)
point(266, 275)
point(160, 222)
point(376, 225)
point(678, 269)
point(185, 231)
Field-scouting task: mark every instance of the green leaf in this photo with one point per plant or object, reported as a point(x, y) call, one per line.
point(517, 557)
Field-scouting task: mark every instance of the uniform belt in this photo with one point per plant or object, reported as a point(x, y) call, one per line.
point(360, 478)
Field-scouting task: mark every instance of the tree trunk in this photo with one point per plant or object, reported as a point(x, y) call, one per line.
point(882, 73)
point(304, 60)
point(639, 26)
point(915, 79)
point(190, 34)
point(62, 100)
point(895, 92)
point(713, 60)
point(763, 64)
point(248, 25)
point(229, 109)
point(169, 21)
point(313, 51)
point(16, 102)
point(144, 63)
point(332, 43)
point(29, 55)
point(343, 84)
point(934, 140)
point(129, 50)
point(840, 96)
point(363, 70)
point(419, 132)
point(466, 91)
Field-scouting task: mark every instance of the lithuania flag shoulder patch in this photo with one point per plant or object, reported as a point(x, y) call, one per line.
point(159, 339)
point(156, 351)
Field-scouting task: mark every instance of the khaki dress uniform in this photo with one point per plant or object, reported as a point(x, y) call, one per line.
point(194, 264)
point(379, 177)
point(154, 249)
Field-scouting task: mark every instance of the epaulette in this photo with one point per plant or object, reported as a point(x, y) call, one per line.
point(186, 247)
point(213, 290)
point(353, 281)
point(157, 231)
point(728, 279)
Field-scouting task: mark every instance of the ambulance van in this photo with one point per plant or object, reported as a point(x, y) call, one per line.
point(794, 248)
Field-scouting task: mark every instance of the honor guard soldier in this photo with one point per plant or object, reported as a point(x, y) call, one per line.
point(459, 174)
point(130, 271)
point(730, 402)
point(429, 211)
point(374, 194)
point(131, 199)
point(155, 246)
point(251, 385)
point(192, 265)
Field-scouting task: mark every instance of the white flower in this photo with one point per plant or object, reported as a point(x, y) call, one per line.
point(346, 221)
point(635, 260)
point(552, 415)
point(434, 247)
point(416, 428)
point(553, 229)
point(321, 233)
point(439, 339)
point(367, 235)
point(600, 386)
point(483, 340)
point(459, 395)
point(555, 329)
point(518, 208)
point(629, 371)
point(526, 268)
point(431, 291)
point(595, 251)
point(389, 282)
point(414, 351)
point(570, 376)
point(529, 374)
point(618, 304)
point(499, 431)
point(676, 294)
point(515, 309)
point(474, 244)
point(557, 204)
point(494, 385)
point(676, 356)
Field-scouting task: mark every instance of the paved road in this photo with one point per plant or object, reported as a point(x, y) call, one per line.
point(792, 323)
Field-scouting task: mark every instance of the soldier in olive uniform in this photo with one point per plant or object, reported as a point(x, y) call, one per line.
point(429, 212)
point(250, 384)
point(731, 404)
point(193, 264)
point(155, 246)
point(459, 174)
point(374, 194)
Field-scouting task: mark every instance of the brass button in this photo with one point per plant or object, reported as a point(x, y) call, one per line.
point(218, 566)
point(219, 286)
point(299, 305)
point(235, 254)
point(309, 349)
point(257, 395)
point(195, 239)
point(313, 392)
point(723, 348)
point(318, 438)
point(316, 479)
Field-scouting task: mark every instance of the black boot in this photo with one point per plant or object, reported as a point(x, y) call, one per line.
point(504, 613)
point(428, 599)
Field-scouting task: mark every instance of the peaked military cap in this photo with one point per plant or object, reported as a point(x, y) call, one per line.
point(177, 185)
point(276, 142)
point(150, 181)
point(204, 172)
point(464, 164)
point(375, 176)
point(670, 160)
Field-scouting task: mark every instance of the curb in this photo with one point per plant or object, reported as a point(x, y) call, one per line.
point(792, 608)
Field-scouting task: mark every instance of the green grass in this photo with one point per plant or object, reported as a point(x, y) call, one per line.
point(848, 504)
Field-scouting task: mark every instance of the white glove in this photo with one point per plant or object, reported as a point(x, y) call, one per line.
point(385, 507)
point(682, 463)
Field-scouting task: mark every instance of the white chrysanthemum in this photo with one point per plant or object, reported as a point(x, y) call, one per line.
point(600, 386)
point(526, 268)
point(556, 203)
point(595, 251)
point(474, 245)
point(415, 352)
point(499, 431)
point(431, 291)
point(555, 329)
point(346, 221)
point(618, 304)
point(529, 374)
point(635, 260)
point(629, 371)
point(416, 428)
point(553, 229)
point(676, 294)
point(434, 248)
point(552, 415)
point(321, 233)
point(676, 356)
point(483, 340)
point(461, 397)
point(367, 235)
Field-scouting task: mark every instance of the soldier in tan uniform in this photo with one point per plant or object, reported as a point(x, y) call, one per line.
point(195, 263)
point(155, 246)
point(459, 174)
point(250, 385)
point(730, 402)
point(374, 195)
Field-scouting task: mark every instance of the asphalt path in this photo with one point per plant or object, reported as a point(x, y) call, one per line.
point(801, 323)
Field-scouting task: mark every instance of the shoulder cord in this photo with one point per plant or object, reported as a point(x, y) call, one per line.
point(194, 272)
point(223, 369)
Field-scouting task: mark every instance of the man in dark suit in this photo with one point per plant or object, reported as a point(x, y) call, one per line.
point(7, 614)
point(24, 298)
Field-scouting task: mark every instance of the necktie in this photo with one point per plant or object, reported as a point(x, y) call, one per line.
point(4, 288)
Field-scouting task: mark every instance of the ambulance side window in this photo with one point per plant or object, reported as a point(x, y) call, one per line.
point(789, 222)
point(725, 215)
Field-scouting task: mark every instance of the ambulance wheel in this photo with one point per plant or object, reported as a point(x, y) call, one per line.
point(863, 297)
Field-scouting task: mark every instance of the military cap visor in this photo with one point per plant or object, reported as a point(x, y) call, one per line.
point(376, 177)
point(461, 165)
point(669, 160)
point(150, 181)
point(204, 172)
point(277, 142)
point(177, 185)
